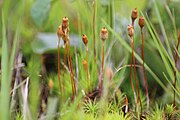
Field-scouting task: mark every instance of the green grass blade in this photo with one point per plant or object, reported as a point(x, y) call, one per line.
point(160, 47)
point(178, 93)
point(162, 28)
point(5, 82)
point(14, 48)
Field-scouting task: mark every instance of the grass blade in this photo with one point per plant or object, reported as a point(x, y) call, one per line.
point(5, 81)
point(162, 28)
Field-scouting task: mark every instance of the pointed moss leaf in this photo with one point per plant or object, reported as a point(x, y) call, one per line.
point(39, 11)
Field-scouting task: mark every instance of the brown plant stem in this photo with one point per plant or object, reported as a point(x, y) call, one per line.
point(67, 45)
point(88, 74)
point(137, 85)
point(85, 62)
point(72, 77)
point(65, 62)
point(134, 62)
point(176, 60)
point(60, 87)
point(132, 85)
point(136, 81)
point(102, 70)
point(144, 71)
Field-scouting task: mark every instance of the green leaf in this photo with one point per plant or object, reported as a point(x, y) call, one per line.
point(5, 81)
point(39, 11)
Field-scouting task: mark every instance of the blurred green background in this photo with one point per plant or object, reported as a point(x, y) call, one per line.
point(38, 20)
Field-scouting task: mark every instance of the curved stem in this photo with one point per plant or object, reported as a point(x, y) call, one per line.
point(59, 66)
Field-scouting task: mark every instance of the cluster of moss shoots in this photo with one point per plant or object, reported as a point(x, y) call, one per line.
point(63, 33)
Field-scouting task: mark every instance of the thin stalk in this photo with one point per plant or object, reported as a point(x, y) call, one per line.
point(85, 62)
point(102, 70)
point(134, 62)
point(65, 62)
point(176, 60)
point(137, 85)
point(132, 85)
point(77, 71)
point(144, 71)
point(93, 27)
point(67, 52)
point(88, 75)
point(72, 77)
point(59, 80)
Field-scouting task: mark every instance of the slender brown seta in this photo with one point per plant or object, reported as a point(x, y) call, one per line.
point(59, 34)
point(131, 34)
point(175, 78)
point(103, 36)
point(141, 24)
point(134, 15)
point(68, 55)
point(85, 65)
point(85, 62)
point(65, 37)
point(69, 60)
point(72, 77)
point(63, 32)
